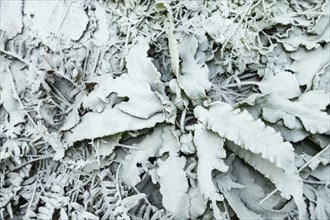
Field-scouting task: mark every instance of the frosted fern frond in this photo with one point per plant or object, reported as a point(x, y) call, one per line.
point(241, 128)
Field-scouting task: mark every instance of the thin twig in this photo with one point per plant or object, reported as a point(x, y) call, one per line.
point(245, 83)
point(182, 120)
point(31, 161)
point(236, 28)
point(121, 65)
point(117, 182)
point(33, 195)
point(18, 58)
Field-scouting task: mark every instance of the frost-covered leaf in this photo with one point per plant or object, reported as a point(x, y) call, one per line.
point(148, 147)
point(322, 206)
point(172, 42)
point(127, 115)
point(290, 184)
point(11, 17)
point(239, 207)
point(307, 64)
point(323, 23)
point(106, 145)
point(274, 108)
point(297, 36)
point(240, 127)
point(101, 35)
point(218, 27)
point(190, 67)
point(286, 85)
point(197, 203)
point(210, 153)
point(66, 19)
point(136, 92)
point(296, 134)
point(89, 215)
point(194, 78)
point(255, 190)
point(195, 92)
point(225, 183)
point(321, 173)
point(315, 99)
point(322, 80)
point(171, 171)
point(109, 122)
point(284, 15)
point(140, 67)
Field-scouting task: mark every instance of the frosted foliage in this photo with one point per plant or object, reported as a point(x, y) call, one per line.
point(164, 110)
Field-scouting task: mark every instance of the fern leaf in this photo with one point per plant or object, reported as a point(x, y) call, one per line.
point(288, 184)
point(210, 152)
point(243, 130)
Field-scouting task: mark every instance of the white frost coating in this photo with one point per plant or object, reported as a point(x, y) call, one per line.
point(174, 186)
point(190, 68)
point(210, 152)
point(243, 130)
point(63, 18)
point(197, 203)
point(172, 177)
point(101, 35)
point(286, 85)
point(288, 184)
point(275, 108)
point(239, 207)
point(139, 66)
point(109, 122)
point(307, 64)
point(148, 147)
point(194, 78)
point(11, 17)
point(136, 91)
point(316, 99)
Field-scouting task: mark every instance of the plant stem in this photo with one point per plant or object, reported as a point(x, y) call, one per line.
point(246, 83)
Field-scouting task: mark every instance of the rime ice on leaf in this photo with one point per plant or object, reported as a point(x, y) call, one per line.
point(11, 17)
point(241, 128)
point(210, 154)
point(67, 19)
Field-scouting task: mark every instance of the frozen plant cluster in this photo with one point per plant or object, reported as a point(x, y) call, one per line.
point(148, 109)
